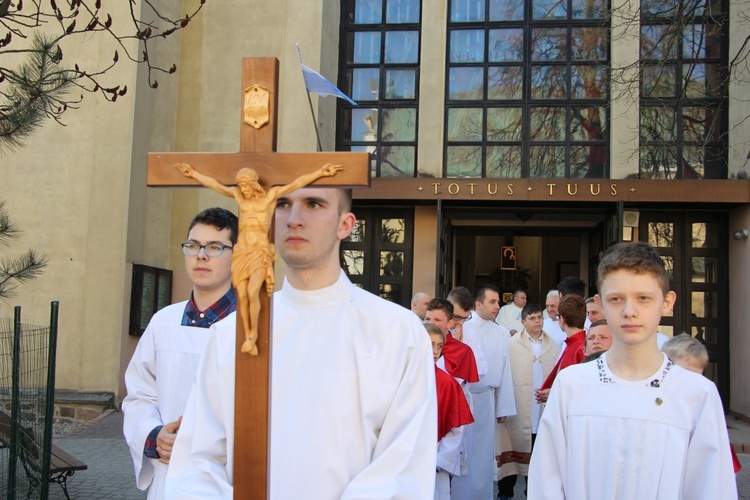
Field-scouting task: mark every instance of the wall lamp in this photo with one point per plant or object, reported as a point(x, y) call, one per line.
point(742, 234)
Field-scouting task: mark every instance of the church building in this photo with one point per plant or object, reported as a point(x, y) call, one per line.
point(511, 141)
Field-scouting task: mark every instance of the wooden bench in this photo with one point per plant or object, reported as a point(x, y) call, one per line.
point(62, 464)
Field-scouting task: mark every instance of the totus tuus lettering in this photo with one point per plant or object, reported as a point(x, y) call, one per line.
point(509, 189)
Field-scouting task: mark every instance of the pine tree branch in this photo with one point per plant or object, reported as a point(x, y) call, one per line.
point(19, 271)
point(8, 230)
point(38, 90)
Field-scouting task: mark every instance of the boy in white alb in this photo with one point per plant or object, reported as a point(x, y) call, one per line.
point(532, 355)
point(663, 426)
point(453, 415)
point(692, 355)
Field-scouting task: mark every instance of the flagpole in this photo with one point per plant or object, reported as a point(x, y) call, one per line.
point(309, 101)
point(315, 122)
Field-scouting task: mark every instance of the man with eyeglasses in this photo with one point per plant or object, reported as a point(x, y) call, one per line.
point(492, 396)
point(463, 303)
point(161, 372)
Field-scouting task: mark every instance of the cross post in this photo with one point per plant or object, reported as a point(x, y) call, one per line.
point(257, 151)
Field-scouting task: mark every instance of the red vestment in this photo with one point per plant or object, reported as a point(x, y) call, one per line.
point(453, 410)
point(459, 360)
point(572, 355)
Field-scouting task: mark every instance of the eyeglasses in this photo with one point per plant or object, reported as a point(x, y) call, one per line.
point(191, 249)
point(462, 318)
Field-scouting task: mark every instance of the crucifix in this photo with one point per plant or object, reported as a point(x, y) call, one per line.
point(268, 168)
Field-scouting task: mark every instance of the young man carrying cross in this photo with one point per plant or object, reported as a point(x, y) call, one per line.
point(353, 402)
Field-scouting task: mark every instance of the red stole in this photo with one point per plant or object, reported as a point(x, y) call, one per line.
point(735, 461)
point(459, 360)
point(453, 410)
point(572, 355)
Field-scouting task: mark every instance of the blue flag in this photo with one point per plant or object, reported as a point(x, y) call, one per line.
point(319, 84)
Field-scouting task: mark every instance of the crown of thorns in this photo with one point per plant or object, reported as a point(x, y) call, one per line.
point(247, 174)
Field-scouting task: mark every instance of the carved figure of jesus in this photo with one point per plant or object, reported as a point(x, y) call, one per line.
point(254, 255)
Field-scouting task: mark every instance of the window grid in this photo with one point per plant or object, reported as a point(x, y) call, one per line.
point(378, 256)
point(380, 71)
point(683, 120)
point(552, 116)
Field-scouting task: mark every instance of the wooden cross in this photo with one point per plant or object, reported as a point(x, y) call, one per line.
point(257, 151)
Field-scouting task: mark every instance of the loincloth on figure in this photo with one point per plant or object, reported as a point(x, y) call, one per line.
point(247, 261)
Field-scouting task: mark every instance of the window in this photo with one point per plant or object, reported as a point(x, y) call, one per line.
point(151, 291)
point(527, 89)
point(380, 68)
point(377, 255)
point(682, 118)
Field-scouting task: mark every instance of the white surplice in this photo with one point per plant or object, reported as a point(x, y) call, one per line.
point(448, 462)
point(353, 403)
point(493, 397)
point(470, 339)
point(509, 317)
point(605, 438)
point(158, 381)
point(552, 328)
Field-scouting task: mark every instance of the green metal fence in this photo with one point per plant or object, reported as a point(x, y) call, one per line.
point(27, 387)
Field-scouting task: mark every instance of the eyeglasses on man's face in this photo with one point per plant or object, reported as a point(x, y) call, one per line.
point(191, 249)
point(458, 317)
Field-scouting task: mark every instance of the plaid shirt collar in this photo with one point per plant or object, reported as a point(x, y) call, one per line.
point(215, 312)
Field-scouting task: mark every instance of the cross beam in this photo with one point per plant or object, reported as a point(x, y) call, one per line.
point(273, 168)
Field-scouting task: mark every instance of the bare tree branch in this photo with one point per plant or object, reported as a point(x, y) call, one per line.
point(42, 87)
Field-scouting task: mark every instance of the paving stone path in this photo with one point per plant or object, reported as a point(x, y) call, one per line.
point(101, 445)
point(110, 475)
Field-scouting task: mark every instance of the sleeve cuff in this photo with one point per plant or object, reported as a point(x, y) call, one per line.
point(149, 449)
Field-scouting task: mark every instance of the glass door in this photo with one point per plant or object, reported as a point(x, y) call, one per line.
point(695, 252)
point(377, 255)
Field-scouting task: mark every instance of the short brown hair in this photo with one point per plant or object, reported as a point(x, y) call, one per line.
point(572, 309)
point(638, 258)
point(441, 305)
point(220, 219)
point(345, 200)
point(530, 308)
point(461, 296)
point(481, 291)
point(598, 322)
